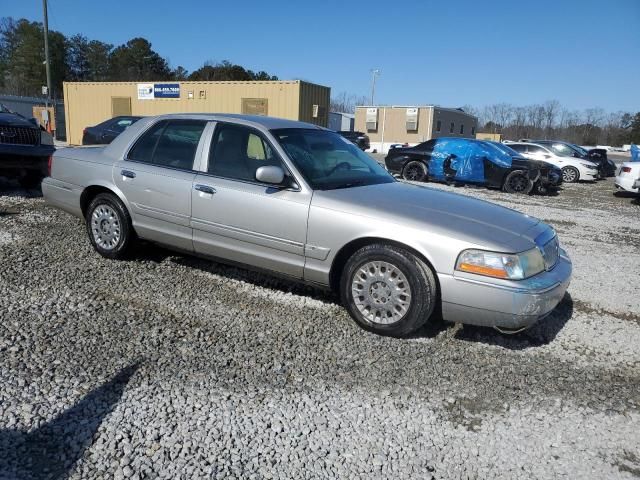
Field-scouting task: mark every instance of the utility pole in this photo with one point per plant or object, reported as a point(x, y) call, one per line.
point(46, 50)
point(374, 74)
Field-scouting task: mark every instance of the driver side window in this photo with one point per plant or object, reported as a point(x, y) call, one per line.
point(237, 152)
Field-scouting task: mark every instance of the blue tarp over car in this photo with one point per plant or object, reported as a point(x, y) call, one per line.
point(466, 157)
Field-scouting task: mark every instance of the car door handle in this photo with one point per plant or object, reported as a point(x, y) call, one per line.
point(205, 189)
point(128, 174)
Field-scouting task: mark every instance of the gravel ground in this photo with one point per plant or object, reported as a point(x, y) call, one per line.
point(168, 366)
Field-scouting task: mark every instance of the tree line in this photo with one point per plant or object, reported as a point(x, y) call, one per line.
point(344, 102)
point(550, 120)
point(79, 59)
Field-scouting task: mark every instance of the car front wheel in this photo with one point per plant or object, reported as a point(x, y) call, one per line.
point(517, 182)
point(109, 226)
point(388, 290)
point(570, 175)
point(415, 171)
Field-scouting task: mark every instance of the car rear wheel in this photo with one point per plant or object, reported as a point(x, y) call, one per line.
point(415, 171)
point(517, 182)
point(388, 290)
point(109, 226)
point(570, 175)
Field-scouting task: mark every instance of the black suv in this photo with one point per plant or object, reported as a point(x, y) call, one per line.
point(23, 155)
point(359, 138)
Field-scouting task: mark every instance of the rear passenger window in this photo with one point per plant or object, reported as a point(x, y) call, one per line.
point(142, 151)
point(171, 143)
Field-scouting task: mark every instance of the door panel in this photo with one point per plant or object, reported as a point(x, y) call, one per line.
point(160, 201)
point(237, 218)
point(251, 223)
point(157, 178)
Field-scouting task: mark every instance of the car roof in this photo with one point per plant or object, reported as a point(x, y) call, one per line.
point(270, 123)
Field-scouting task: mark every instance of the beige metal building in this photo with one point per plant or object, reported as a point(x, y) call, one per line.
point(390, 125)
point(494, 137)
point(89, 103)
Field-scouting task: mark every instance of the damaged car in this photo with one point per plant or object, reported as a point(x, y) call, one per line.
point(466, 161)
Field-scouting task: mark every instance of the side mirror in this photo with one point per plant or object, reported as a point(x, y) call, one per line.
point(270, 174)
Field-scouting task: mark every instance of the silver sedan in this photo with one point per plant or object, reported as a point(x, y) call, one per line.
point(303, 202)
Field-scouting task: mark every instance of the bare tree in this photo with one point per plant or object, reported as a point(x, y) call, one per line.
point(551, 120)
point(346, 102)
point(504, 114)
point(550, 109)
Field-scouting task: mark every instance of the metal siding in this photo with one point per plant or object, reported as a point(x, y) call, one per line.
point(310, 95)
point(457, 117)
point(89, 103)
point(394, 124)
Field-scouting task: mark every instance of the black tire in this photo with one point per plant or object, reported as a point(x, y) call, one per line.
point(419, 276)
point(30, 180)
point(570, 175)
point(517, 182)
point(109, 206)
point(541, 189)
point(415, 171)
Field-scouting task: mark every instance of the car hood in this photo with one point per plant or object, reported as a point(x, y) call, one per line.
point(12, 120)
point(481, 223)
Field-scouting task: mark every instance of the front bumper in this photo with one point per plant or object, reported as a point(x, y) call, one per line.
point(590, 174)
point(475, 300)
point(26, 151)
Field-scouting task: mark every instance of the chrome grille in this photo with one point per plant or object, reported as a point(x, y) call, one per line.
point(19, 135)
point(550, 252)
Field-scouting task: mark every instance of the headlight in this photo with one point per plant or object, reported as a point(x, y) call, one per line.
point(501, 265)
point(589, 165)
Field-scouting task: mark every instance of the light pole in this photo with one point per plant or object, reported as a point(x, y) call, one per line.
point(374, 74)
point(46, 50)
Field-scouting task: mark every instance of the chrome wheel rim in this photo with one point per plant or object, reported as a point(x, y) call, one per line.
point(381, 292)
point(569, 175)
point(105, 227)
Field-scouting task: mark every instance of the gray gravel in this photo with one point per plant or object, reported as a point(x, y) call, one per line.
point(169, 366)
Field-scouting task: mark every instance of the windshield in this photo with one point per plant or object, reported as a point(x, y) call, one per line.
point(580, 150)
point(503, 148)
point(328, 160)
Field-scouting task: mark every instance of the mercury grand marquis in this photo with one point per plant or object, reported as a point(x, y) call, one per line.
point(301, 201)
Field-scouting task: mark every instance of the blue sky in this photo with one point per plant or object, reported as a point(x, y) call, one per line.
point(584, 53)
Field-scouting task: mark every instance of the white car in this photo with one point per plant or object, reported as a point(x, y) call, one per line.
point(573, 169)
point(628, 177)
